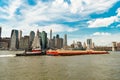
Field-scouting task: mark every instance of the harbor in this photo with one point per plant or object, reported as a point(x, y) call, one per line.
point(81, 67)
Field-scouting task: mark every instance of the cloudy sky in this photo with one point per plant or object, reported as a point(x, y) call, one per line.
point(79, 19)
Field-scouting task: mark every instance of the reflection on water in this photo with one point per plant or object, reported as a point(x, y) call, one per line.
point(83, 67)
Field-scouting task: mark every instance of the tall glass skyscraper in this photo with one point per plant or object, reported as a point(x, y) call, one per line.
point(89, 44)
point(0, 31)
point(32, 35)
point(50, 34)
point(44, 40)
point(65, 40)
point(14, 40)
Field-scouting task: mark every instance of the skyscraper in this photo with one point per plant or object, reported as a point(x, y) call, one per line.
point(50, 34)
point(65, 41)
point(89, 44)
point(19, 35)
point(14, 40)
point(44, 40)
point(0, 36)
point(114, 46)
point(0, 31)
point(32, 35)
point(84, 45)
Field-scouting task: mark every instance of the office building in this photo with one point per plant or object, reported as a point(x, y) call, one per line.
point(0, 36)
point(114, 46)
point(84, 45)
point(44, 40)
point(24, 42)
point(65, 41)
point(58, 42)
point(50, 34)
point(0, 31)
point(14, 40)
point(5, 42)
point(89, 44)
point(31, 38)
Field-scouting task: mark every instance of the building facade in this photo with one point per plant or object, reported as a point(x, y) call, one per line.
point(89, 44)
point(31, 38)
point(14, 43)
point(44, 40)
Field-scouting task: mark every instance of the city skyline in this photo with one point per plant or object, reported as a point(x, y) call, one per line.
point(78, 19)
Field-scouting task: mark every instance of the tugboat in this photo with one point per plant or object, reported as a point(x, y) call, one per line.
point(36, 47)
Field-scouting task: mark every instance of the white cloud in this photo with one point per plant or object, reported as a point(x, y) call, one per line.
point(9, 11)
point(57, 9)
point(118, 26)
point(90, 6)
point(101, 34)
point(104, 22)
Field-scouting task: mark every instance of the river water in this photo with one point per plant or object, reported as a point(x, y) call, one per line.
point(82, 67)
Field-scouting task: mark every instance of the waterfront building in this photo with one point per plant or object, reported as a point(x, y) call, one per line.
point(84, 45)
point(0, 36)
point(19, 35)
point(79, 44)
point(58, 42)
point(50, 34)
point(24, 42)
point(65, 41)
point(93, 45)
point(114, 46)
point(14, 40)
point(0, 32)
point(5, 42)
point(118, 46)
point(50, 40)
point(44, 40)
point(31, 38)
point(89, 44)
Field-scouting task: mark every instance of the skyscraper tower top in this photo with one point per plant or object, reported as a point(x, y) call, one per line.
point(57, 36)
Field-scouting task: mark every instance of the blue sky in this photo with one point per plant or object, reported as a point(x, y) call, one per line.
point(79, 19)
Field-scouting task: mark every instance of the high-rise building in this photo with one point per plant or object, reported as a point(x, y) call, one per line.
point(50, 34)
point(14, 40)
point(58, 42)
point(114, 46)
point(84, 45)
point(24, 42)
point(19, 35)
point(79, 44)
point(0, 37)
point(5, 42)
point(44, 40)
point(31, 38)
point(89, 44)
point(57, 36)
point(0, 31)
point(65, 40)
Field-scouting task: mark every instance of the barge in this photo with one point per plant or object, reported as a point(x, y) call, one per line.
point(73, 52)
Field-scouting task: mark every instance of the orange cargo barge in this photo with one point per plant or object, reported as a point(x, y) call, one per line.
point(73, 52)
